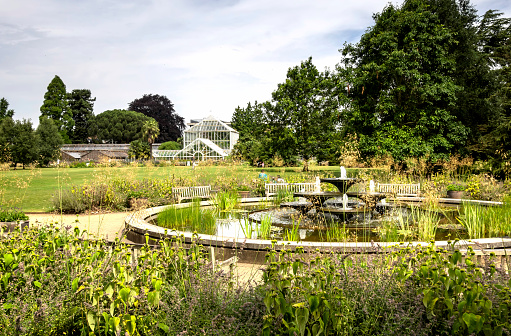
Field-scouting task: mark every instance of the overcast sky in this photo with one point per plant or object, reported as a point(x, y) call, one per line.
point(206, 56)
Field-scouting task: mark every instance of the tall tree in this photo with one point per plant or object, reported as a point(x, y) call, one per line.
point(162, 110)
point(5, 112)
point(55, 107)
point(402, 86)
point(49, 141)
point(306, 112)
point(81, 106)
point(118, 126)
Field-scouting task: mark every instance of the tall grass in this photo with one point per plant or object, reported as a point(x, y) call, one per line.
point(225, 201)
point(337, 233)
point(247, 227)
point(283, 196)
point(426, 222)
point(292, 235)
point(481, 221)
point(191, 218)
point(264, 228)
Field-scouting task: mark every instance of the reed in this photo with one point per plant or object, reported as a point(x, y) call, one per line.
point(225, 201)
point(426, 222)
point(191, 218)
point(481, 221)
point(247, 227)
point(336, 233)
point(264, 228)
point(292, 235)
point(282, 196)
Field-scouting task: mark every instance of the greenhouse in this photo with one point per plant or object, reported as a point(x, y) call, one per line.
point(209, 139)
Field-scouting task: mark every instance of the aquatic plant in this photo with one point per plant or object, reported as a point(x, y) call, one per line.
point(225, 201)
point(191, 218)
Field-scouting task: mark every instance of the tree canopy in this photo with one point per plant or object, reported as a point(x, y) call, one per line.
point(118, 126)
point(160, 108)
point(5, 112)
point(81, 106)
point(48, 142)
point(300, 121)
point(429, 79)
point(55, 107)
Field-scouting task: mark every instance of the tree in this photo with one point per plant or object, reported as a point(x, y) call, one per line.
point(81, 106)
point(251, 123)
point(402, 87)
point(118, 126)
point(306, 113)
point(162, 110)
point(170, 145)
point(139, 149)
point(6, 137)
point(23, 143)
point(49, 141)
point(150, 130)
point(55, 107)
point(5, 112)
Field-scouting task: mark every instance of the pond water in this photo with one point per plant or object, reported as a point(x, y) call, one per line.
point(393, 223)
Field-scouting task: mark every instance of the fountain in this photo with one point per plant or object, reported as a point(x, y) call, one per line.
point(317, 199)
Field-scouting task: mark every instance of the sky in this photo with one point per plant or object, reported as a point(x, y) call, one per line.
point(207, 56)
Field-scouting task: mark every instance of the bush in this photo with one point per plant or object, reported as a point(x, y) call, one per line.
point(73, 286)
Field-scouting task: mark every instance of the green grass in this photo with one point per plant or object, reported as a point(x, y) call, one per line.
point(32, 189)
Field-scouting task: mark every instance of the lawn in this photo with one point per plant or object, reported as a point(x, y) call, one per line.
point(32, 189)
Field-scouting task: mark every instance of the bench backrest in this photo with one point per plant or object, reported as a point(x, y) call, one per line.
point(273, 188)
point(399, 189)
point(191, 192)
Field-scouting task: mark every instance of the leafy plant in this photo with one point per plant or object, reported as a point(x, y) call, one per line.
point(455, 187)
point(12, 215)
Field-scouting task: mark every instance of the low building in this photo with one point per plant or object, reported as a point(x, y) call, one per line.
point(94, 152)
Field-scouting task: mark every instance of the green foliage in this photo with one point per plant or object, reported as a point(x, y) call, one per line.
point(104, 193)
point(55, 107)
point(159, 107)
point(12, 215)
point(225, 200)
point(23, 144)
point(118, 126)
point(483, 221)
point(402, 85)
point(5, 112)
point(302, 119)
point(139, 149)
point(150, 130)
point(477, 300)
point(54, 282)
point(456, 187)
point(48, 141)
point(191, 218)
point(170, 145)
point(81, 106)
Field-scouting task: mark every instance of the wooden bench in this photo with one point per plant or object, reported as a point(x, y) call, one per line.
point(273, 188)
point(399, 189)
point(183, 193)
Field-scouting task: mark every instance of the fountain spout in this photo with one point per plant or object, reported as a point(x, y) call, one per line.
point(343, 172)
point(345, 202)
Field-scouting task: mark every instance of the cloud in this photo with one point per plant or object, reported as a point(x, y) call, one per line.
point(203, 55)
